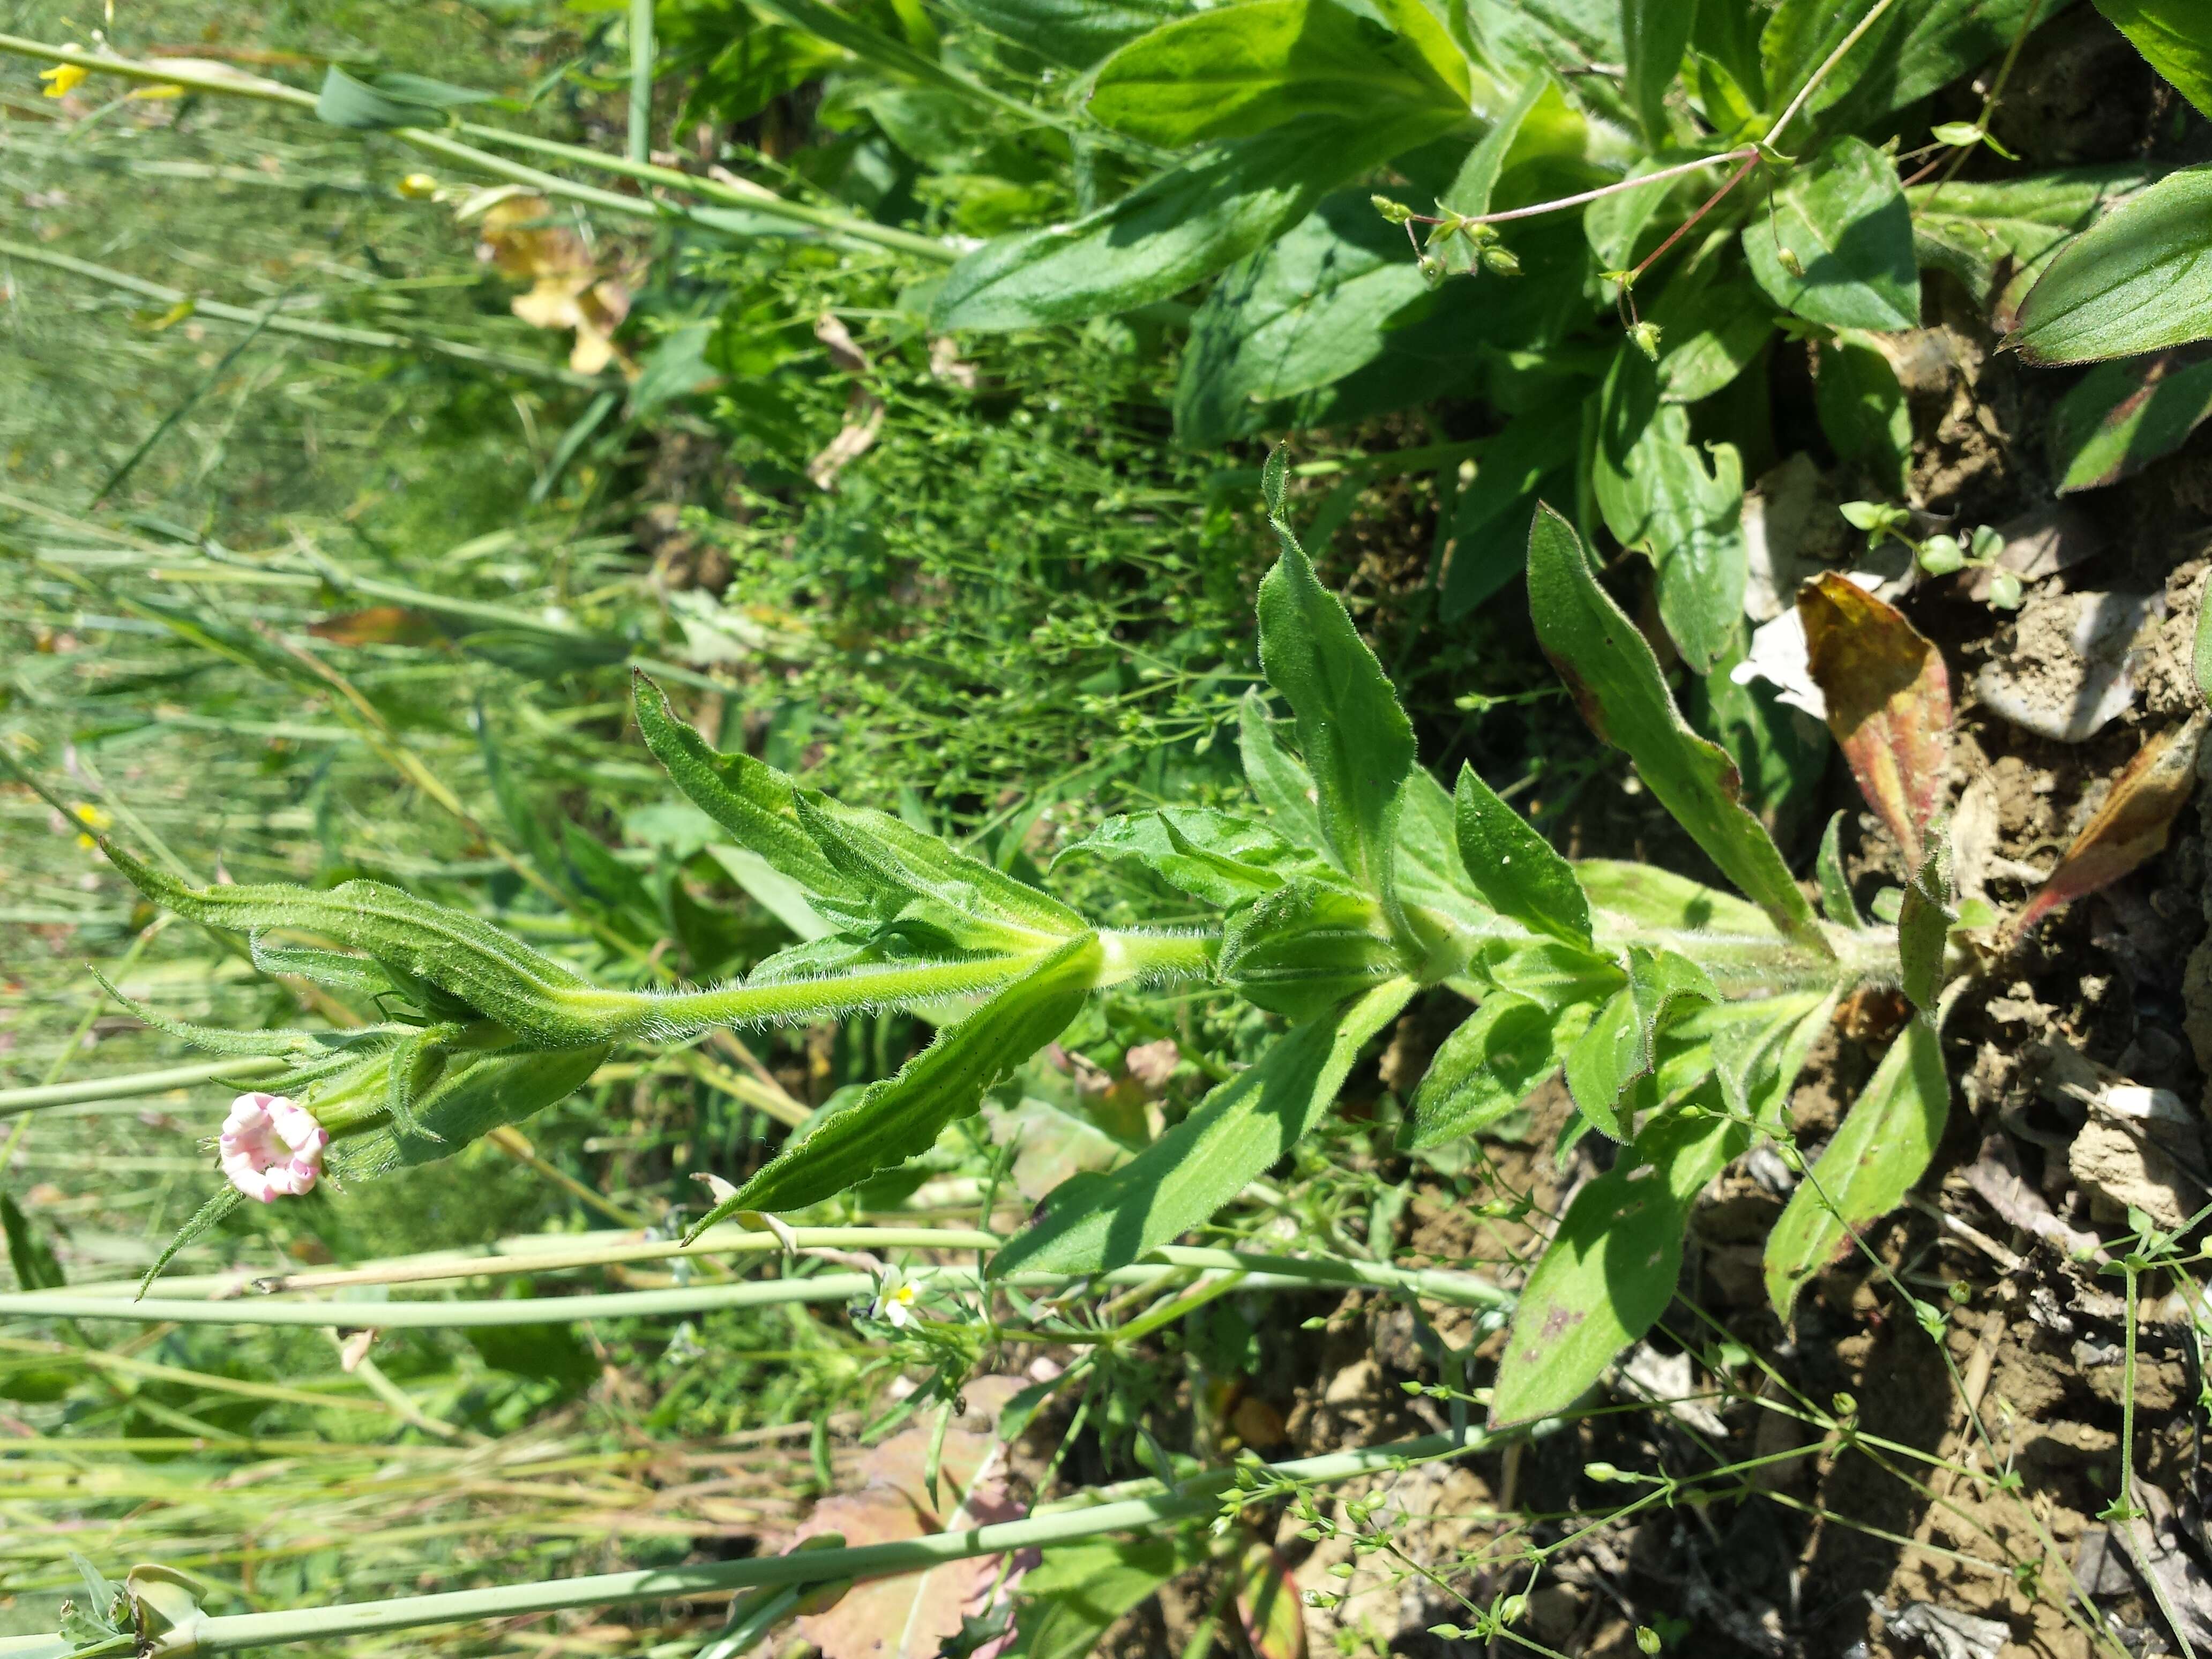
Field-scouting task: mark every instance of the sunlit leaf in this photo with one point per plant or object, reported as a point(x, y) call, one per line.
point(2133, 824)
point(2140, 279)
point(1842, 219)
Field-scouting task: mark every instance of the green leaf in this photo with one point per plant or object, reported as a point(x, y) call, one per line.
point(37, 1267)
point(1306, 947)
point(901, 1116)
point(1616, 683)
point(1835, 887)
point(1885, 1143)
point(1862, 409)
point(751, 800)
point(2121, 416)
point(1843, 218)
point(1621, 1046)
point(1471, 186)
point(1913, 48)
point(388, 101)
point(1996, 237)
point(1431, 876)
point(1654, 35)
point(1309, 309)
point(1074, 1594)
point(1713, 323)
point(1211, 855)
point(2140, 279)
point(1181, 226)
point(1281, 784)
point(1643, 898)
point(1609, 1272)
point(2175, 37)
point(1565, 37)
point(1515, 870)
point(1487, 1067)
point(471, 1095)
point(1657, 493)
point(1234, 1135)
point(1489, 523)
point(1239, 70)
point(1557, 975)
point(1075, 34)
point(1781, 752)
point(1924, 923)
point(1356, 740)
point(201, 1222)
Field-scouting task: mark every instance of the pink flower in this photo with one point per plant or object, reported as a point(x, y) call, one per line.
point(271, 1147)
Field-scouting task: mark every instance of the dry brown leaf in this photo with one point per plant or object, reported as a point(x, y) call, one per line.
point(844, 350)
point(377, 624)
point(1889, 703)
point(862, 422)
point(2132, 824)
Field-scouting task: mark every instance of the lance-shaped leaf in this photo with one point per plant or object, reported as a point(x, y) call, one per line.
point(2125, 416)
point(1889, 703)
point(1617, 684)
point(1277, 778)
point(1924, 923)
point(2172, 35)
point(1223, 74)
point(2132, 825)
point(1515, 870)
point(901, 1117)
point(1884, 1143)
point(1237, 1132)
point(1654, 33)
point(1430, 874)
point(1213, 856)
point(1486, 1067)
point(1610, 1270)
point(1267, 1605)
point(1996, 237)
point(473, 1095)
point(1182, 226)
point(2140, 279)
point(1835, 886)
point(755, 803)
point(1307, 947)
point(1621, 1047)
point(1356, 740)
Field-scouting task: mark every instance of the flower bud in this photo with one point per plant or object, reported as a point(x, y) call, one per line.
point(1600, 1471)
point(1394, 213)
point(1646, 336)
point(418, 186)
point(1787, 257)
point(1647, 1639)
point(1500, 261)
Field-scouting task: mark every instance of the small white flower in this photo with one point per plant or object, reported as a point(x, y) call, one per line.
point(271, 1147)
point(895, 1301)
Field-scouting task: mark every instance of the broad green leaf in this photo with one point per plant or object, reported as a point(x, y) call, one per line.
point(1862, 409)
point(901, 1116)
point(1616, 683)
point(1621, 1044)
point(1489, 520)
point(1913, 48)
point(1421, 25)
point(1355, 740)
point(1233, 1136)
point(1184, 224)
point(1487, 1067)
point(2140, 279)
point(1609, 1272)
point(1643, 898)
point(1563, 37)
point(1654, 35)
point(1836, 899)
point(1713, 323)
point(1306, 947)
point(2175, 36)
point(1557, 975)
point(1238, 70)
point(1996, 237)
point(1072, 1597)
point(1307, 310)
point(1075, 34)
point(1657, 493)
point(2121, 416)
point(1884, 1143)
point(1431, 876)
point(1278, 781)
point(1515, 870)
point(1842, 216)
point(1211, 855)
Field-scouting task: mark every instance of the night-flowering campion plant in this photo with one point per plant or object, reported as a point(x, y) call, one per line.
point(1679, 1014)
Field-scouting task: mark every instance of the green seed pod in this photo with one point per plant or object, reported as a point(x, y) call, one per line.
point(1645, 335)
point(1500, 261)
point(1787, 258)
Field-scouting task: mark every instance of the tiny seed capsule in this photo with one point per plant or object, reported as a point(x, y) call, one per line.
point(418, 186)
point(1788, 259)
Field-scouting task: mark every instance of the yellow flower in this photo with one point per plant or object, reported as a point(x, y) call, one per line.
point(93, 817)
point(63, 79)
